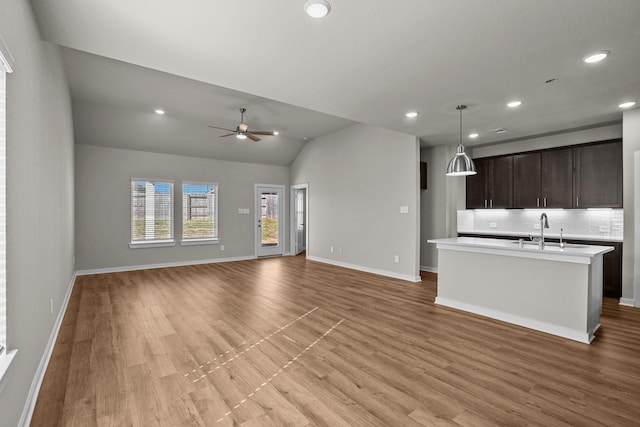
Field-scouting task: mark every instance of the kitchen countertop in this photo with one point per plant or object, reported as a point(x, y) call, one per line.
point(546, 235)
point(581, 254)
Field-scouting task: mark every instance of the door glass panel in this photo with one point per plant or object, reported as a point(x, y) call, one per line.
point(269, 204)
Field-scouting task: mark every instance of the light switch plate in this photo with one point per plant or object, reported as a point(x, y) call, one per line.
point(493, 225)
point(605, 229)
point(404, 209)
point(536, 226)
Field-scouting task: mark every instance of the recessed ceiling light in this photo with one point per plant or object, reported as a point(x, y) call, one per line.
point(159, 111)
point(473, 135)
point(317, 8)
point(514, 104)
point(412, 114)
point(627, 104)
point(596, 56)
point(275, 132)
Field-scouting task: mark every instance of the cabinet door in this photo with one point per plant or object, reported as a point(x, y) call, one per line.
point(598, 182)
point(557, 178)
point(476, 185)
point(501, 183)
point(526, 180)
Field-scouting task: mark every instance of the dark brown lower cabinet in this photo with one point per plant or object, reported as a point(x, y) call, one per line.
point(612, 262)
point(612, 275)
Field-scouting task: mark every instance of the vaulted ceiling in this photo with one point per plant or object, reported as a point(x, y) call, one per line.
point(368, 61)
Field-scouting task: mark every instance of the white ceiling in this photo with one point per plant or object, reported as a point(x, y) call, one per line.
point(369, 61)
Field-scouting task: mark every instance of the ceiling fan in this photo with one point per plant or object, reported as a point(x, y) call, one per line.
point(242, 130)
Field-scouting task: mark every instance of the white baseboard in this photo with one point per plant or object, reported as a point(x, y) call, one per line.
point(629, 302)
point(366, 269)
point(429, 269)
point(30, 403)
point(163, 265)
point(572, 334)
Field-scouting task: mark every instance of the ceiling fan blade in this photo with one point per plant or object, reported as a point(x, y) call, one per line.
point(262, 132)
point(216, 127)
point(229, 134)
point(252, 137)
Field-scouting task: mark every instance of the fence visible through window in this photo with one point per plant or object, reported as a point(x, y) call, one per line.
point(199, 211)
point(151, 211)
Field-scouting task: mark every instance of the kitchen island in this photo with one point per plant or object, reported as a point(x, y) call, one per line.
point(557, 290)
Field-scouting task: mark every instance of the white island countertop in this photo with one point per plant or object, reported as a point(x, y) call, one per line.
point(575, 253)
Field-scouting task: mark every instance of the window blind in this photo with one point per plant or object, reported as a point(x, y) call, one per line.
point(199, 211)
point(151, 211)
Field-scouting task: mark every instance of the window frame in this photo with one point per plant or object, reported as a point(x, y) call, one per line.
point(6, 356)
point(159, 242)
point(201, 240)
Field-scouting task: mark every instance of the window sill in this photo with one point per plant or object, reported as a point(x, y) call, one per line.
point(5, 363)
point(194, 242)
point(159, 244)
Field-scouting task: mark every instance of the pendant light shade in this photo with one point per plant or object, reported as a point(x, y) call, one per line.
point(461, 164)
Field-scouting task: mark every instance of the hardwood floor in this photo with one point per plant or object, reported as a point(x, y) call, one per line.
point(286, 341)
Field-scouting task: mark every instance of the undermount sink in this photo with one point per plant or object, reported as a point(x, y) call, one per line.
point(555, 244)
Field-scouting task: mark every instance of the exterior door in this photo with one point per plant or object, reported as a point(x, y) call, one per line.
point(299, 200)
point(269, 202)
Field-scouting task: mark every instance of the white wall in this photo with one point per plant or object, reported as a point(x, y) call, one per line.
point(562, 139)
point(630, 259)
point(103, 179)
point(439, 203)
point(358, 179)
point(40, 194)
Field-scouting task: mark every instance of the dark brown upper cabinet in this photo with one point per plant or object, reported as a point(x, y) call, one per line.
point(582, 176)
point(543, 179)
point(557, 178)
point(527, 188)
point(598, 175)
point(477, 185)
point(492, 186)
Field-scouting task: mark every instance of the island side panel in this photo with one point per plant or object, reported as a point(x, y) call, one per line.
point(595, 293)
point(550, 296)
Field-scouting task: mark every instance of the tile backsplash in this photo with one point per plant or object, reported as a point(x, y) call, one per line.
point(595, 223)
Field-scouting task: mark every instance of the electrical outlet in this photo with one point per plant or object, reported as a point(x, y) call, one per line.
point(536, 226)
point(222, 247)
point(331, 249)
point(340, 251)
point(396, 259)
point(493, 225)
point(51, 306)
point(605, 229)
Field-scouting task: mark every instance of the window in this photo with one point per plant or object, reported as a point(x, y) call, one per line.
point(199, 213)
point(6, 63)
point(151, 213)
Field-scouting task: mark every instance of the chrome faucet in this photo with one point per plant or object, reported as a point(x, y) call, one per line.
point(544, 223)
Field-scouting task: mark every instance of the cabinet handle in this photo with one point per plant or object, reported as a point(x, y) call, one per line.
point(491, 203)
point(538, 202)
point(545, 202)
point(485, 203)
point(578, 201)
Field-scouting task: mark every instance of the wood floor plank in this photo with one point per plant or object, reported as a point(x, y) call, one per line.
point(287, 341)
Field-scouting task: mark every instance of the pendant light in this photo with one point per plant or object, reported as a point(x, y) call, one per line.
point(461, 164)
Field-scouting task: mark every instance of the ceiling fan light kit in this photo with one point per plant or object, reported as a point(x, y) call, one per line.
point(242, 130)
